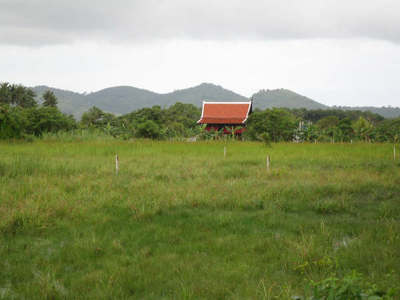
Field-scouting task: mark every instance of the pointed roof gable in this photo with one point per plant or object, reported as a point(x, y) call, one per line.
point(225, 112)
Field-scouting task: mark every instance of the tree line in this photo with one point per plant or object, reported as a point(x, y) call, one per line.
point(21, 116)
point(321, 125)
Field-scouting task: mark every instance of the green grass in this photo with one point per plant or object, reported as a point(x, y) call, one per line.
point(180, 221)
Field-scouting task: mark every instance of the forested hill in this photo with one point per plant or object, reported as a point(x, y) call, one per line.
point(284, 98)
point(124, 99)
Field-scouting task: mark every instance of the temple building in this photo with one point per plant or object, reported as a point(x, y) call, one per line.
point(226, 116)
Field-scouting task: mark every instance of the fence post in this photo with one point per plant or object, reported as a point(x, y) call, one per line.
point(116, 164)
point(268, 163)
point(394, 152)
point(224, 151)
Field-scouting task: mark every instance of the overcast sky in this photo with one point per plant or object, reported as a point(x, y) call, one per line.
point(336, 52)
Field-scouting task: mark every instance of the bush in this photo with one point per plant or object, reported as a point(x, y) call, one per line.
point(279, 124)
point(266, 139)
point(148, 129)
point(349, 287)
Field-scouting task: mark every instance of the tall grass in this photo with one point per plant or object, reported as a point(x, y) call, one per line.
point(76, 135)
point(180, 221)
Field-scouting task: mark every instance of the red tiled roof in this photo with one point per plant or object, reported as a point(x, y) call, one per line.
point(225, 112)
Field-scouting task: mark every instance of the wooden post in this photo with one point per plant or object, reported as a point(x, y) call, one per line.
point(268, 163)
point(116, 164)
point(224, 151)
point(394, 152)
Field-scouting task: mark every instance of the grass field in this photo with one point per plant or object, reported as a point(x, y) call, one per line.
point(180, 221)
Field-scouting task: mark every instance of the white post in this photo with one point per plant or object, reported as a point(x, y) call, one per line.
point(224, 151)
point(116, 164)
point(268, 163)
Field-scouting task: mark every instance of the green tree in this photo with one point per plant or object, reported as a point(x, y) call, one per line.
point(13, 122)
point(16, 122)
point(346, 130)
point(148, 129)
point(327, 123)
point(47, 119)
point(363, 129)
point(310, 132)
point(185, 114)
point(388, 130)
point(280, 125)
point(50, 99)
point(96, 118)
point(329, 127)
point(17, 95)
point(5, 93)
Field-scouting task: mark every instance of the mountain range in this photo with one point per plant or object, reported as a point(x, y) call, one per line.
point(124, 99)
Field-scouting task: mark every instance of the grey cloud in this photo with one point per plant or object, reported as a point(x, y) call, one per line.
point(43, 22)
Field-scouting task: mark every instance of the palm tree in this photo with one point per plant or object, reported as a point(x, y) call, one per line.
point(21, 96)
point(50, 99)
point(5, 93)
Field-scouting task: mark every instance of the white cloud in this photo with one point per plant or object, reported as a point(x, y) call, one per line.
point(337, 52)
point(332, 71)
point(42, 22)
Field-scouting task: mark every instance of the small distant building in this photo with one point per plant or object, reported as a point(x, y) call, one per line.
point(225, 115)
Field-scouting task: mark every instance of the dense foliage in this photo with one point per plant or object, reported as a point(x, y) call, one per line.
point(179, 121)
point(321, 125)
point(21, 116)
point(18, 95)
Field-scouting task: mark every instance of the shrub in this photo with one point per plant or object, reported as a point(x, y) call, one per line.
point(349, 287)
point(148, 129)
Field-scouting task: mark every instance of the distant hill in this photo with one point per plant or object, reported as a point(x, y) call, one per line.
point(284, 98)
point(387, 112)
point(124, 99)
point(204, 91)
